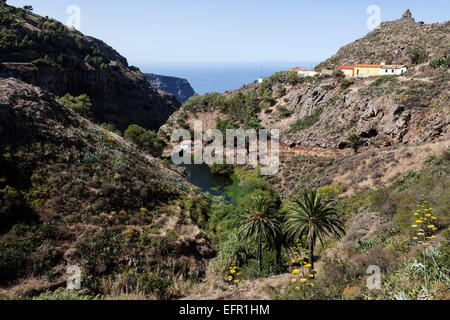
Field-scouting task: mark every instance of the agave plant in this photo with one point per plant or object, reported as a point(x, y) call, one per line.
point(313, 218)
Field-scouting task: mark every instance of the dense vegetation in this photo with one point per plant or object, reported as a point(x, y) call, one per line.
point(241, 107)
point(50, 38)
point(145, 139)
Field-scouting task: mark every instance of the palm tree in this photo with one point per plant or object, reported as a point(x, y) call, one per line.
point(354, 142)
point(259, 223)
point(312, 217)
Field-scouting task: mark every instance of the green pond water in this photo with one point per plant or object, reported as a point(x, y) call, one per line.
point(202, 177)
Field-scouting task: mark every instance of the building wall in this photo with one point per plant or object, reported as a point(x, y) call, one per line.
point(385, 72)
point(307, 73)
point(348, 72)
point(367, 71)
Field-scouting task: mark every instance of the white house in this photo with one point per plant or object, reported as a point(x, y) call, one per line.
point(304, 72)
point(393, 69)
point(186, 145)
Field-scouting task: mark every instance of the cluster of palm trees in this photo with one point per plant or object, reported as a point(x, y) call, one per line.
point(309, 218)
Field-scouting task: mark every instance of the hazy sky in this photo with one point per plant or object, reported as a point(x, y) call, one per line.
point(209, 31)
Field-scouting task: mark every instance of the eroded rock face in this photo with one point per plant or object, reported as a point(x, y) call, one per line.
point(180, 88)
point(381, 117)
point(66, 61)
point(120, 98)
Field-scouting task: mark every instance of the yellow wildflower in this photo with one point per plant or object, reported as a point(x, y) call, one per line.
point(419, 221)
point(303, 280)
point(308, 265)
point(294, 280)
point(233, 271)
point(296, 271)
point(431, 226)
point(414, 226)
point(297, 288)
point(230, 278)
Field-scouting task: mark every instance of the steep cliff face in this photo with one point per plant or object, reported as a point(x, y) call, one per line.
point(402, 41)
point(74, 194)
point(399, 110)
point(180, 88)
point(43, 52)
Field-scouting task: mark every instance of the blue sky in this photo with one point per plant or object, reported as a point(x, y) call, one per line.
point(177, 32)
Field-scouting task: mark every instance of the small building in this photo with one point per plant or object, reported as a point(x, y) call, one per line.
point(347, 70)
point(303, 72)
point(186, 145)
point(393, 69)
point(367, 70)
point(327, 72)
point(260, 80)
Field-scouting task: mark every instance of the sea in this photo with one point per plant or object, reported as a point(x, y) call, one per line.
point(223, 77)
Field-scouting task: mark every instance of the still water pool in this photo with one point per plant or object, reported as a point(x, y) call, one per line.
point(202, 177)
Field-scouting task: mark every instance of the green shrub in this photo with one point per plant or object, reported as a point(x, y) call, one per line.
point(112, 128)
point(384, 79)
point(44, 62)
point(81, 104)
point(440, 62)
point(198, 210)
point(337, 73)
point(265, 92)
point(14, 209)
point(307, 122)
point(153, 284)
point(417, 55)
point(15, 258)
point(99, 255)
point(181, 122)
point(147, 140)
point(283, 111)
point(286, 77)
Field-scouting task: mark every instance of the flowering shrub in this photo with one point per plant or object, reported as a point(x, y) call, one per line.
point(235, 281)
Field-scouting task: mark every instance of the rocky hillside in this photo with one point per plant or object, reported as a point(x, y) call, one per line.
point(402, 41)
point(180, 88)
point(317, 115)
point(74, 194)
point(45, 53)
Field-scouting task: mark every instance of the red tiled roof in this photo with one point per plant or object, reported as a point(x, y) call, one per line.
point(346, 67)
point(298, 69)
point(368, 66)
